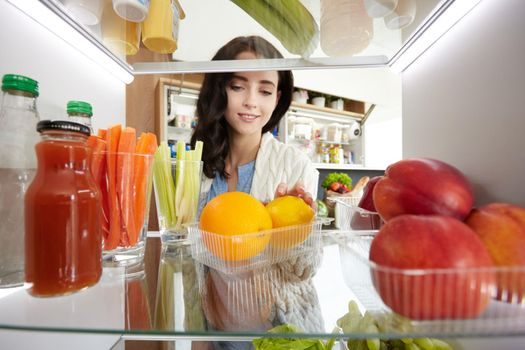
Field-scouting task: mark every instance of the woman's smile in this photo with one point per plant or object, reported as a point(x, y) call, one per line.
point(248, 117)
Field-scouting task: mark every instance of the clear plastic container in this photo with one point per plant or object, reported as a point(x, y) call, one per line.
point(380, 8)
point(18, 136)
point(87, 12)
point(349, 217)
point(442, 289)
point(131, 10)
point(335, 132)
point(346, 28)
point(119, 35)
point(238, 253)
point(403, 15)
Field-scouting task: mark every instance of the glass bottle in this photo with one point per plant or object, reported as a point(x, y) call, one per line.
point(18, 120)
point(63, 232)
point(80, 112)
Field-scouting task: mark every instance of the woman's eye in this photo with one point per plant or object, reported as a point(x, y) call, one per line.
point(235, 87)
point(266, 93)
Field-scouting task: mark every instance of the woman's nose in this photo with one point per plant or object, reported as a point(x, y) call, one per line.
point(250, 100)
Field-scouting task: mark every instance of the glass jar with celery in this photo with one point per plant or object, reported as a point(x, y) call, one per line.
point(177, 188)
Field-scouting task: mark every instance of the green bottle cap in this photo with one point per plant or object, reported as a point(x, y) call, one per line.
point(21, 83)
point(79, 107)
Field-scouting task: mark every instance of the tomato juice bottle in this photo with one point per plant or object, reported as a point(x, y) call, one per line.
point(63, 233)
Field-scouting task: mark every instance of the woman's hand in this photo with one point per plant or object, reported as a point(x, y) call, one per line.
point(298, 190)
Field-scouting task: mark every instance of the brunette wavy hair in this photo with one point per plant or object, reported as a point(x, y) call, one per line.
point(212, 128)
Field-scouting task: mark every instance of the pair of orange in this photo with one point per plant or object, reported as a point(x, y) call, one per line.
point(232, 214)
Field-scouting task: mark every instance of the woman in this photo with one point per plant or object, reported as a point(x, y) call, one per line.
point(236, 113)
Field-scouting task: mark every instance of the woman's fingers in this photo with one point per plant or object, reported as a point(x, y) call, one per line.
point(298, 190)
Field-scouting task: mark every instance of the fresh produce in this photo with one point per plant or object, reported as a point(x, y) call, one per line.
point(423, 186)
point(120, 165)
point(290, 343)
point(501, 227)
point(177, 196)
point(367, 200)
point(232, 214)
point(337, 182)
point(354, 322)
point(415, 242)
point(322, 209)
point(289, 21)
point(290, 211)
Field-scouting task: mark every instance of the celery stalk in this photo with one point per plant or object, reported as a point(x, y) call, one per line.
point(164, 185)
point(187, 185)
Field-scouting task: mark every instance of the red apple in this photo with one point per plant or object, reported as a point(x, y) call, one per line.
point(423, 186)
point(428, 268)
point(367, 200)
point(501, 227)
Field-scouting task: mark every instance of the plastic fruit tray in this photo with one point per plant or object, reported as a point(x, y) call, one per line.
point(451, 297)
point(239, 253)
point(349, 217)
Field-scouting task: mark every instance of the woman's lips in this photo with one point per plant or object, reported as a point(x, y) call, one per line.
point(247, 117)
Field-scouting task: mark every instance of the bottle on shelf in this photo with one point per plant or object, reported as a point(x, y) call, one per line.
point(80, 112)
point(63, 230)
point(18, 120)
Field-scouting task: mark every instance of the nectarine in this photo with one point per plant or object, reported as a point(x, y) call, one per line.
point(428, 267)
point(501, 227)
point(423, 186)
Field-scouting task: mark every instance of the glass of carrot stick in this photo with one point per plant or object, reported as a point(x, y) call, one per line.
point(122, 166)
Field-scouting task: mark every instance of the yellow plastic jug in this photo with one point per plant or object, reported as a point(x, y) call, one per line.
point(159, 33)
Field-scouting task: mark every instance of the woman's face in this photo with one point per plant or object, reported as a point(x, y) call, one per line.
point(252, 98)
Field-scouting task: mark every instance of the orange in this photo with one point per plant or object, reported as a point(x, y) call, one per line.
point(290, 211)
point(233, 223)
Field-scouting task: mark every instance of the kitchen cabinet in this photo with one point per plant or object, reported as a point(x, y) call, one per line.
point(502, 60)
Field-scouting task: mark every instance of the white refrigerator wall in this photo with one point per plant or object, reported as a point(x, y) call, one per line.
point(464, 101)
point(63, 73)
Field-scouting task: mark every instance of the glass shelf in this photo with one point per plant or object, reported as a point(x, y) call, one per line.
point(189, 298)
point(201, 19)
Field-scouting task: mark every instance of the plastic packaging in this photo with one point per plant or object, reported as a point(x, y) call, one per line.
point(346, 28)
point(225, 253)
point(18, 119)
point(131, 10)
point(379, 8)
point(434, 286)
point(402, 16)
point(80, 112)
point(119, 35)
point(87, 12)
point(161, 27)
point(63, 250)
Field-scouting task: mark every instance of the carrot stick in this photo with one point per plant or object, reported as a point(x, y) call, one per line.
point(112, 142)
point(102, 133)
point(124, 182)
point(98, 170)
point(146, 145)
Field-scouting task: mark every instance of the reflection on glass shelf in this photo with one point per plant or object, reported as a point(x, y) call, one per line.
point(198, 303)
point(309, 32)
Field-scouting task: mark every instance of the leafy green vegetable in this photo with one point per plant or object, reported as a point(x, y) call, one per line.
point(290, 343)
point(342, 178)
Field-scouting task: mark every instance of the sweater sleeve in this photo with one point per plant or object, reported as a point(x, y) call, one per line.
point(280, 163)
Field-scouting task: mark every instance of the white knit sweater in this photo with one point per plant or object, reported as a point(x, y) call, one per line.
point(295, 299)
point(277, 162)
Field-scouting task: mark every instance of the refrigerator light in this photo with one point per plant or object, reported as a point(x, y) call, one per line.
point(49, 19)
point(441, 22)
